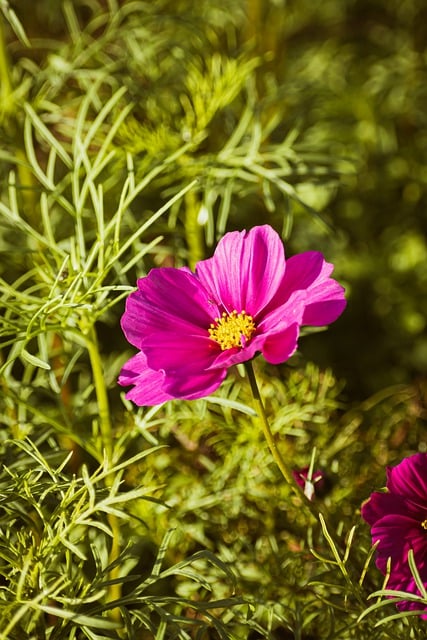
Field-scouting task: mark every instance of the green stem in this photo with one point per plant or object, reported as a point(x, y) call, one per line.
point(5, 78)
point(115, 589)
point(286, 472)
point(10, 113)
point(101, 394)
point(193, 230)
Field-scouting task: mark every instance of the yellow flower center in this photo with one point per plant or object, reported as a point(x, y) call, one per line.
point(424, 524)
point(232, 329)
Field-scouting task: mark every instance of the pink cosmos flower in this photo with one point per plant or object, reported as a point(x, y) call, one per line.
point(398, 521)
point(189, 328)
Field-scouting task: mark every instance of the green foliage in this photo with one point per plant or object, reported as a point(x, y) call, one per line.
point(56, 536)
point(134, 134)
point(227, 495)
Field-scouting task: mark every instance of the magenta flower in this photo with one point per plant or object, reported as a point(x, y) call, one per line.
point(311, 483)
point(398, 521)
point(190, 327)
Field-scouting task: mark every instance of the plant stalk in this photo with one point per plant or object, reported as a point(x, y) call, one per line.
point(193, 230)
point(286, 472)
point(278, 458)
point(5, 77)
point(114, 589)
point(101, 394)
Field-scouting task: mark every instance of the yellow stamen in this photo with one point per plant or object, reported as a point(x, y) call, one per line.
point(424, 524)
point(232, 329)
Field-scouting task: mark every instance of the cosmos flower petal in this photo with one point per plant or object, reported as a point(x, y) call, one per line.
point(179, 354)
point(278, 318)
point(230, 357)
point(307, 282)
point(246, 269)
point(305, 269)
point(152, 387)
point(147, 384)
point(396, 534)
point(279, 347)
point(324, 296)
point(199, 385)
point(301, 272)
point(409, 479)
point(382, 503)
point(167, 300)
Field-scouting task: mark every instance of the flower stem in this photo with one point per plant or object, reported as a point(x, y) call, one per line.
point(115, 588)
point(5, 79)
point(286, 472)
point(101, 394)
point(193, 230)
